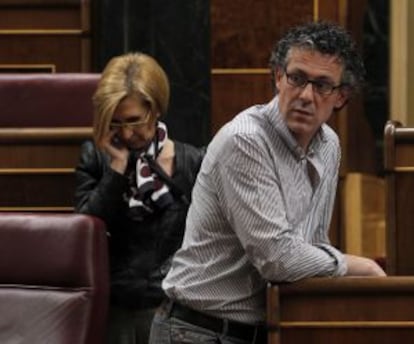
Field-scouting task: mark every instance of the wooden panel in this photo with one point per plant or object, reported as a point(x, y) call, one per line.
point(344, 310)
point(344, 335)
point(37, 168)
point(48, 51)
point(29, 3)
point(399, 168)
point(54, 18)
point(403, 235)
point(404, 157)
point(41, 156)
point(364, 215)
point(325, 294)
point(32, 190)
point(336, 236)
point(328, 10)
point(48, 32)
point(244, 31)
point(232, 93)
point(354, 132)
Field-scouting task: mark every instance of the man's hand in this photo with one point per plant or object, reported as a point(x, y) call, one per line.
point(361, 266)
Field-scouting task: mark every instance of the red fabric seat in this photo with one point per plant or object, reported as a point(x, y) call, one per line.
point(47, 100)
point(54, 282)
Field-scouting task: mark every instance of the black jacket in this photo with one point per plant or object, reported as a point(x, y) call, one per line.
point(140, 252)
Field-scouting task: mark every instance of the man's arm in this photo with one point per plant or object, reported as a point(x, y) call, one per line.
point(254, 203)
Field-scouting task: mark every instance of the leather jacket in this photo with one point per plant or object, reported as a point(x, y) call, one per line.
point(140, 252)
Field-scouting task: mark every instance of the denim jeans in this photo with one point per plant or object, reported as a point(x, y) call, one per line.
point(166, 329)
point(127, 326)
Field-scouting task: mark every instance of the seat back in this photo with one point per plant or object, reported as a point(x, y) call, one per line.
point(54, 282)
point(47, 100)
point(44, 118)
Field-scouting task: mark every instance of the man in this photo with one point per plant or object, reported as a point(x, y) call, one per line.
point(263, 199)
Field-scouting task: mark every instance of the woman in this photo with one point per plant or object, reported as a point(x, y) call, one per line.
point(139, 182)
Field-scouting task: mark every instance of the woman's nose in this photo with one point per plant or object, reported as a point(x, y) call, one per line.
point(126, 132)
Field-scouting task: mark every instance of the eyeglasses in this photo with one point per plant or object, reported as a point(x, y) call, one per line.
point(131, 125)
point(324, 88)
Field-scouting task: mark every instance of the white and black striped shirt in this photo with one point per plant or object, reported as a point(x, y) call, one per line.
point(260, 210)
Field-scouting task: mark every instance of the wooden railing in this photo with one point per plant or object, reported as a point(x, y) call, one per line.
point(399, 169)
point(343, 310)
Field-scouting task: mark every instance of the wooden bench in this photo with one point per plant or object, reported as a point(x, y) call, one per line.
point(344, 310)
point(399, 176)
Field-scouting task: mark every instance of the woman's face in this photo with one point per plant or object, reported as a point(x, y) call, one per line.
point(133, 123)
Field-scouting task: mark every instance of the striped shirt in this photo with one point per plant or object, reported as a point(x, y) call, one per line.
point(260, 210)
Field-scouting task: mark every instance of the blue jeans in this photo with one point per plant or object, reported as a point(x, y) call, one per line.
point(167, 329)
point(129, 326)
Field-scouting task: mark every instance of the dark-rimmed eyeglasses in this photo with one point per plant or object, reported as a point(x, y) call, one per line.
point(131, 125)
point(324, 88)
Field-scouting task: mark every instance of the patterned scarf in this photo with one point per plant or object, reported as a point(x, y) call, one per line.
point(148, 192)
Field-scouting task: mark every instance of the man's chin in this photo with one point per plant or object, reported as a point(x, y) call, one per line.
point(300, 129)
point(299, 125)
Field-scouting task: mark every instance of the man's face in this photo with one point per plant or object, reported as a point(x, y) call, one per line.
point(303, 107)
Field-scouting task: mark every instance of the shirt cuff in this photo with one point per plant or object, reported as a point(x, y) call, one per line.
point(340, 263)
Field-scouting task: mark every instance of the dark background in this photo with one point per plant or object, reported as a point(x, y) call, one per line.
point(176, 34)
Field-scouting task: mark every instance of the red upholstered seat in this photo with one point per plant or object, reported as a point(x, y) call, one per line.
point(44, 118)
point(47, 100)
point(53, 279)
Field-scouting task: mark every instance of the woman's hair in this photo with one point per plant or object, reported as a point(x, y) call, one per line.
point(131, 75)
point(326, 38)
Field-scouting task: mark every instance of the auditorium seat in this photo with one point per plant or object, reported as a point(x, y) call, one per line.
point(44, 100)
point(53, 279)
point(44, 119)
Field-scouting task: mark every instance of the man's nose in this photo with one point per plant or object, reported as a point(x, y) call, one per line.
point(307, 92)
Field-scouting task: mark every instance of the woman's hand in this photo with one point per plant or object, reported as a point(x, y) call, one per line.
point(118, 152)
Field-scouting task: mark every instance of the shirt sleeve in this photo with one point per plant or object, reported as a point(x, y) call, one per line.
point(250, 191)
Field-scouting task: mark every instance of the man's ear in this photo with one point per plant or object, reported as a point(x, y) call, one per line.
point(342, 98)
point(278, 74)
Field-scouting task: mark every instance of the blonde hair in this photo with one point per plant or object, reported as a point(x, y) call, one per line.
point(130, 75)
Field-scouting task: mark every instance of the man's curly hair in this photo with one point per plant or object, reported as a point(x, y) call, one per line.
point(325, 38)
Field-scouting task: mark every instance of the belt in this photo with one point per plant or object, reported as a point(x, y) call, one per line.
point(250, 333)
